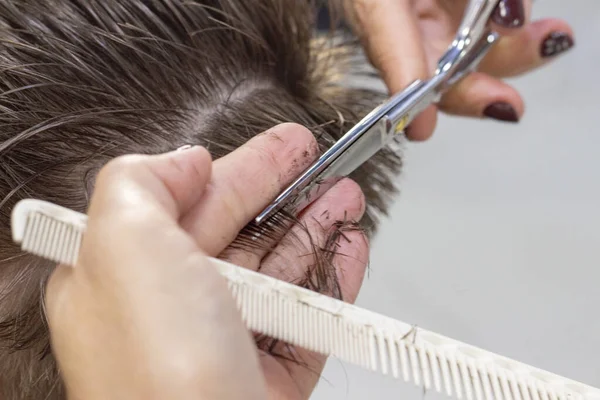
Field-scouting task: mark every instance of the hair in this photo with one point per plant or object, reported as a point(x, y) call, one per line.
point(85, 81)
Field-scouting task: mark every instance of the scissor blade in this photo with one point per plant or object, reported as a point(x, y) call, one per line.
point(320, 176)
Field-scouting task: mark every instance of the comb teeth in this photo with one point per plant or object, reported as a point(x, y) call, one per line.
point(378, 343)
point(51, 238)
point(328, 326)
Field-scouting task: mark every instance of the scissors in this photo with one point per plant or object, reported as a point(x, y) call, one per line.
point(376, 130)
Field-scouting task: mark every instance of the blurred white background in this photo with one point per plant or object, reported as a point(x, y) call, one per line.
point(495, 237)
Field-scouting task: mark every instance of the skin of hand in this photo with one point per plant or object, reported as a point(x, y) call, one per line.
point(405, 38)
point(144, 315)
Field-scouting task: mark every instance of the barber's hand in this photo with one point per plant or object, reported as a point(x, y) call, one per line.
point(144, 315)
point(405, 38)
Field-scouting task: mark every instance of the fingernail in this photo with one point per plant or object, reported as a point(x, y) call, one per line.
point(185, 147)
point(556, 43)
point(509, 13)
point(502, 112)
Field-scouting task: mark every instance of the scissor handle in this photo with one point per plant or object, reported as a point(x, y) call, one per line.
point(461, 65)
point(474, 24)
point(470, 44)
point(458, 66)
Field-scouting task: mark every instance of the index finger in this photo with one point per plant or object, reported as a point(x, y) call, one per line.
point(244, 181)
point(394, 44)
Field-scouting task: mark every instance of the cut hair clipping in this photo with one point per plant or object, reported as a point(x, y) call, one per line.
point(328, 326)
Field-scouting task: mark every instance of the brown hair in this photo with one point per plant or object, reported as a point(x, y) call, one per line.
point(84, 81)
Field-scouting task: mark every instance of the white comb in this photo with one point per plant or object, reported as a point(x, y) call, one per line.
point(328, 326)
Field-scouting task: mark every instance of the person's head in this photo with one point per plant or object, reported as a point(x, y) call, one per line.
point(84, 81)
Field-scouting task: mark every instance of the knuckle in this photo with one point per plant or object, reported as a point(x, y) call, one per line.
point(235, 206)
point(119, 165)
point(362, 7)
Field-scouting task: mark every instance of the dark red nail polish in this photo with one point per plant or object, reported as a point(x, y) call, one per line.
point(556, 43)
point(502, 112)
point(509, 13)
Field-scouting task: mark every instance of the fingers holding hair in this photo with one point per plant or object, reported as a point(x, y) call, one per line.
point(326, 238)
point(244, 182)
point(326, 252)
point(142, 272)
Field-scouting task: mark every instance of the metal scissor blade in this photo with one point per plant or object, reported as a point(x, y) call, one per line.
point(335, 162)
point(369, 136)
point(312, 185)
point(470, 61)
point(374, 132)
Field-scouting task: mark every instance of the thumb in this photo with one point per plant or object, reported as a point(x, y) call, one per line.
point(170, 183)
point(143, 311)
point(139, 199)
point(134, 213)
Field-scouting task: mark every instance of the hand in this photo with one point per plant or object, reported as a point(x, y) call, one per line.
point(405, 39)
point(144, 315)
